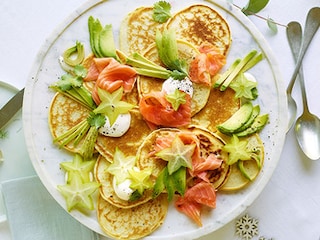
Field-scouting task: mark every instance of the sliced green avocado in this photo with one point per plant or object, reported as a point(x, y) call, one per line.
point(95, 28)
point(255, 113)
point(237, 120)
point(106, 42)
point(259, 123)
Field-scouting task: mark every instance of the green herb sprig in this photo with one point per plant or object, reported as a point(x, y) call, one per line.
point(255, 6)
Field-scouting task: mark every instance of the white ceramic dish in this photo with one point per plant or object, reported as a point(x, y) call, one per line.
point(46, 156)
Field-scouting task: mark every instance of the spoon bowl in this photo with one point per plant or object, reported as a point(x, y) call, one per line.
point(307, 131)
point(294, 35)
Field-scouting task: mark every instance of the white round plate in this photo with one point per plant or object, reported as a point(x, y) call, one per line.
point(46, 156)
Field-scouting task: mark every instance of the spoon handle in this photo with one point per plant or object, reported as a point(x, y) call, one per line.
point(294, 34)
point(311, 26)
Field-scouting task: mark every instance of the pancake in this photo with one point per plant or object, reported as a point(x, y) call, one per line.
point(107, 191)
point(138, 30)
point(129, 142)
point(209, 143)
point(187, 52)
point(220, 107)
point(200, 23)
point(132, 223)
point(65, 113)
point(236, 180)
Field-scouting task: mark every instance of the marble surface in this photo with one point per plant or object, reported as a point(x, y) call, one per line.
point(289, 205)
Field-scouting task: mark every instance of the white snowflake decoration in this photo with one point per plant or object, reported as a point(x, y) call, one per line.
point(247, 227)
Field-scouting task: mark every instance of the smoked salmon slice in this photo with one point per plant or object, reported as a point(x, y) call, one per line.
point(202, 193)
point(206, 64)
point(157, 111)
point(110, 75)
point(212, 162)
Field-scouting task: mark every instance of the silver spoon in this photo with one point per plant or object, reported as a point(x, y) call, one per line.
point(311, 27)
point(307, 127)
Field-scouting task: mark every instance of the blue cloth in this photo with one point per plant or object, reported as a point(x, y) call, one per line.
point(33, 213)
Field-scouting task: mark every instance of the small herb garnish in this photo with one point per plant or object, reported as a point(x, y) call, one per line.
point(254, 6)
point(3, 134)
point(71, 85)
point(161, 11)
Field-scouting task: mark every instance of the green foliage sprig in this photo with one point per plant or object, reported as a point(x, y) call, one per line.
point(255, 6)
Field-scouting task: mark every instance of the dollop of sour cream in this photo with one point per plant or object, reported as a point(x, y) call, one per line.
point(118, 128)
point(123, 189)
point(250, 77)
point(170, 85)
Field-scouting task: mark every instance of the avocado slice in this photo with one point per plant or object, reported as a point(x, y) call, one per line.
point(106, 42)
point(258, 123)
point(237, 120)
point(255, 113)
point(95, 29)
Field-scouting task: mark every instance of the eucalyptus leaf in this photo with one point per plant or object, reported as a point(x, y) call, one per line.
point(272, 25)
point(254, 6)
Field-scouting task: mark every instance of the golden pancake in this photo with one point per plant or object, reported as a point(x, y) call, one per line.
point(236, 179)
point(107, 191)
point(212, 143)
point(209, 143)
point(65, 113)
point(200, 23)
point(138, 30)
point(220, 107)
point(129, 142)
point(187, 52)
point(132, 223)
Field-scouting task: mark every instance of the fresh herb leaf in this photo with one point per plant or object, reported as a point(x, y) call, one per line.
point(69, 81)
point(96, 120)
point(3, 134)
point(161, 11)
point(272, 25)
point(254, 6)
point(80, 71)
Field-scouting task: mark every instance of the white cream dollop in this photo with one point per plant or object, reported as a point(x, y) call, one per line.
point(118, 128)
point(250, 77)
point(123, 189)
point(170, 85)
